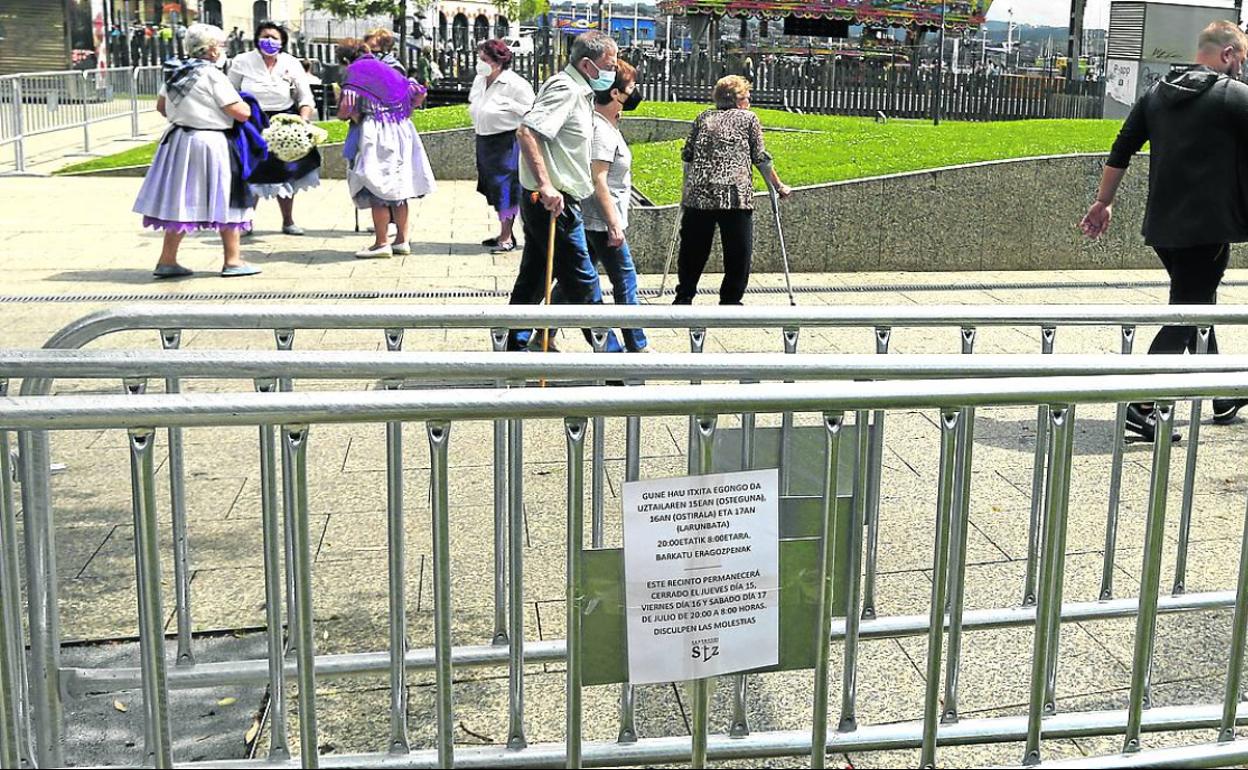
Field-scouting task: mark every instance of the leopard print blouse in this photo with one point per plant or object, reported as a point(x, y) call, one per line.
point(721, 147)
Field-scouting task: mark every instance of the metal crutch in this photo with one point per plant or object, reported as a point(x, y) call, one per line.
point(774, 196)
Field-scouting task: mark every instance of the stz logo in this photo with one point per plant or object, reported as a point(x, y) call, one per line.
point(704, 652)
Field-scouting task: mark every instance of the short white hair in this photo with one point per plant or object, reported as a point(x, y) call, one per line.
point(200, 38)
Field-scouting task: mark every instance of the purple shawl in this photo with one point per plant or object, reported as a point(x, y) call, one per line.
point(379, 90)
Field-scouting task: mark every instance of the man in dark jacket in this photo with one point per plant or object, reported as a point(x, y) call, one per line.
point(1197, 124)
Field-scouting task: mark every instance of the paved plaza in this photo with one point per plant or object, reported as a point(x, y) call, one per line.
point(62, 238)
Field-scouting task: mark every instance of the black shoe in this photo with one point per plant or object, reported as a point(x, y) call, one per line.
point(535, 344)
point(1225, 409)
point(1144, 424)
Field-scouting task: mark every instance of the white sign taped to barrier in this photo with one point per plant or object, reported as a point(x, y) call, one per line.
point(702, 575)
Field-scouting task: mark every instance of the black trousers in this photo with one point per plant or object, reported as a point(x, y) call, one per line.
point(1195, 272)
point(697, 229)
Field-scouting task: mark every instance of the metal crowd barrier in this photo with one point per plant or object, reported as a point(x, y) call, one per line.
point(36, 103)
point(284, 320)
point(440, 409)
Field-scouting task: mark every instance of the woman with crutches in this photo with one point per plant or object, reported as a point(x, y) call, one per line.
point(719, 192)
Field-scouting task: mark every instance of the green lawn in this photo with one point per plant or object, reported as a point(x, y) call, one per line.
point(854, 148)
point(843, 148)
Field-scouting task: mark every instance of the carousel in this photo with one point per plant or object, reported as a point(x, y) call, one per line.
point(830, 19)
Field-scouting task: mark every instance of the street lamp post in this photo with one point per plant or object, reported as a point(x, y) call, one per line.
point(940, 67)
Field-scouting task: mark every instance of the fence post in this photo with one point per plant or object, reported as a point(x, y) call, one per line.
point(86, 118)
point(134, 102)
point(19, 148)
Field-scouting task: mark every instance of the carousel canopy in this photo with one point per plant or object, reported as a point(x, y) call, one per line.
point(959, 14)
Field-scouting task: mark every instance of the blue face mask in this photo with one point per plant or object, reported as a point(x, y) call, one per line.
point(270, 46)
point(604, 81)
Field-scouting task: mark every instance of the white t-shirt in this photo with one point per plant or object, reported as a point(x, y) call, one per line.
point(608, 145)
point(501, 106)
point(271, 87)
point(201, 106)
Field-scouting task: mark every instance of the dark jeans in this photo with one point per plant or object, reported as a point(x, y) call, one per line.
point(736, 233)
point(618, 262)
point(1195, 272)
point(573, 268)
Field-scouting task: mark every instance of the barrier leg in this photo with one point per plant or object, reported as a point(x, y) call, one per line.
point(1239, 635)
point(874, 475)
point(1150, 575)
point(10, 591)
point(957, 562)
point(699, 689)
point(598, 481)
point(42, 608)
point(515, 534)
point(574, 427)
point(296, 442)
point(171, 339)
point(1047, 338)
point(439, 439)
point(786, 421)
point(849, 676)
point(1189, 476)
point(632, 472)
point(285, 341)
point(1115, 482)
point(159, 748)
point(940, 564)
point(498, 338)
point(833, 422)
point(279, 749)
point(1049, 600)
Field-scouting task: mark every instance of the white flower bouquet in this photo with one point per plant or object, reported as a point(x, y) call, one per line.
point(291, 138)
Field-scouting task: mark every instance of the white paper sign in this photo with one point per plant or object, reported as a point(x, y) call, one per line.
point(1120, 80)
point(702, 575)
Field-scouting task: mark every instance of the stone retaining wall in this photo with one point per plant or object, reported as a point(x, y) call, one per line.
point(1002, 215)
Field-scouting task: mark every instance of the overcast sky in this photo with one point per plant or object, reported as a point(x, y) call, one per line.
point(1056, 13)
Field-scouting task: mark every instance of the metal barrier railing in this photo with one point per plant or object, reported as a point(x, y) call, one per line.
point(439, 409)
point(284, 320)
point(37, 103)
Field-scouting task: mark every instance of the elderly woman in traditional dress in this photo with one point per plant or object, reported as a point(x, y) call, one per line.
point(280, 85)
point(497, 103)
point(386, 163)
point(190, 185)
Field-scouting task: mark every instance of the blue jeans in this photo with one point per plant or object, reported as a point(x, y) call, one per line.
point(618, 262)
point(573, 268)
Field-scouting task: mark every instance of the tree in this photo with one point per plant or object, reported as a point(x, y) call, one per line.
point(522, 10)
point(358, 9)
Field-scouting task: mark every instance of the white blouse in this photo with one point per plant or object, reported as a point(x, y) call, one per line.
point(201, 106)
point(501, 106)
point(272, 88)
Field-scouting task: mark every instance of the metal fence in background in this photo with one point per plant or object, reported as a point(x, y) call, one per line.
point(827, 85)
point(38, 103)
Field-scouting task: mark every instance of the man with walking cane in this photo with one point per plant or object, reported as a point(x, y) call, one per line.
point(554, 140)
point(1197, 124)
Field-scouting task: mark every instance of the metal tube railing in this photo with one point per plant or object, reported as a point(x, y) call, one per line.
point(296, 411)
point(46, 102)
point(728, 318)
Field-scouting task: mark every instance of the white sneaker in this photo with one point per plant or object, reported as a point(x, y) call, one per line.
point(401, 249)
point(379, 252)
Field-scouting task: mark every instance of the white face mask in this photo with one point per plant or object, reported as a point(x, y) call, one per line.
point(483, 69)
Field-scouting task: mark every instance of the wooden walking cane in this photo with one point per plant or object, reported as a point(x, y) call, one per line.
point(550, 274)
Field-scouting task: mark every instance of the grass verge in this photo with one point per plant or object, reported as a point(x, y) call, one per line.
point(844, 147)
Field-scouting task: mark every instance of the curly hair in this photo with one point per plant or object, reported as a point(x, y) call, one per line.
point(351, 48)
point(496, 51)
point(729, 90)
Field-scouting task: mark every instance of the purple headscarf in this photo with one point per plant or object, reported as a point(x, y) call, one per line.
point(379, 90)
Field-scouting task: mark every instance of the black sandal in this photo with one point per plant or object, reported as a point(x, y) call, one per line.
point(504, 248)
